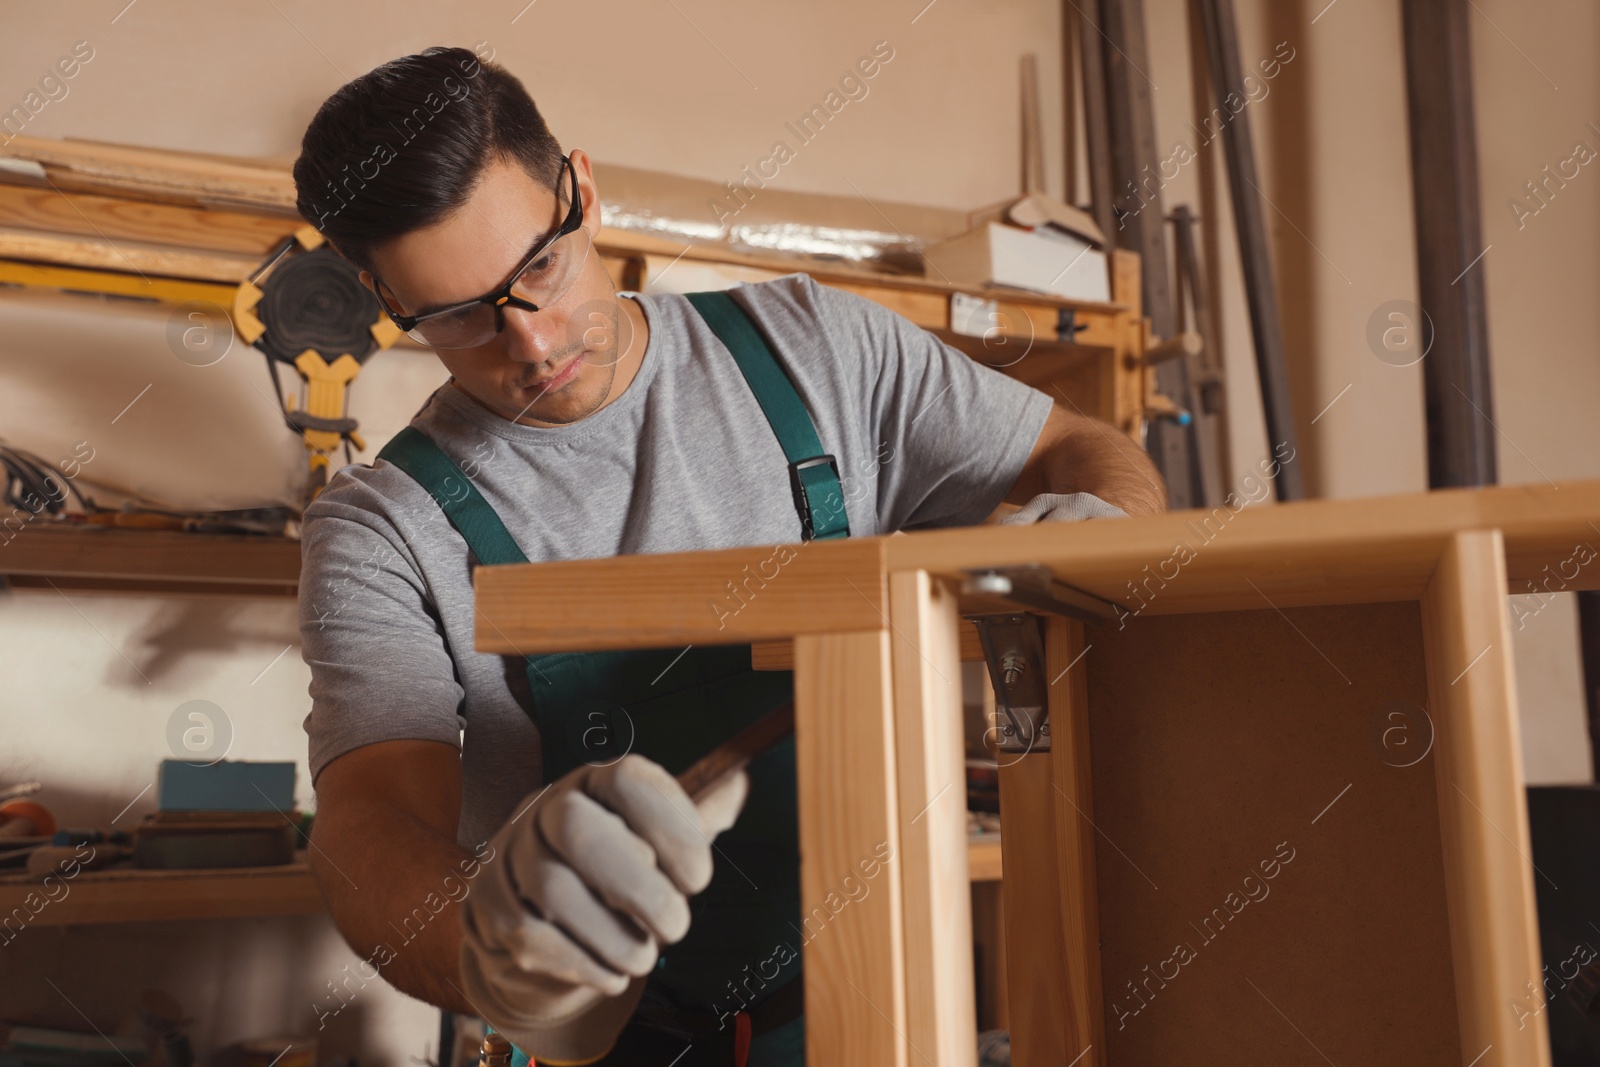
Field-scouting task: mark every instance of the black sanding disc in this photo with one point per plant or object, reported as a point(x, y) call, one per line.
point(316, 300)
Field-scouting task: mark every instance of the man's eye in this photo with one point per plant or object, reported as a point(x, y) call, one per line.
point(452, 317)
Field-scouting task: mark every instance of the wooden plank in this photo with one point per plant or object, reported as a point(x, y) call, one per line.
point(1227, 741)
point(1483, 807)
point(930, 757)
point(167, 556)
point(1046, 811)
point(851, 876)
point(612, 241)
point(138, 587)
point(659, 600)
point(779, 655)
point(1036, 967)
point(1320, 551)
point(181, 176)
point(125, 255)
point(1082, 1008)
point(119, 218)
point(122, 896)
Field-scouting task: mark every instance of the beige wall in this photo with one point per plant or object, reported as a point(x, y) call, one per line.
point(703, 87)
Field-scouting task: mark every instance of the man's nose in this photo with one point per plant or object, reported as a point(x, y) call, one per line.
point(535, 337)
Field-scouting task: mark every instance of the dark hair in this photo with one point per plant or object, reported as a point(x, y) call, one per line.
point(404, 145)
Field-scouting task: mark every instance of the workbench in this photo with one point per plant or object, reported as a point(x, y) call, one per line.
point(1281, 818)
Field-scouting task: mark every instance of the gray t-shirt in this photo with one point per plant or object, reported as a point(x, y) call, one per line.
point(684, 459)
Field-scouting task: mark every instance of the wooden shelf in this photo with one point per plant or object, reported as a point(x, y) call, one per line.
point(124, 896)
point(134, 896)
point(41, 556)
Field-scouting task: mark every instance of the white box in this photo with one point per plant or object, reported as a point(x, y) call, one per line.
point(1060, 264)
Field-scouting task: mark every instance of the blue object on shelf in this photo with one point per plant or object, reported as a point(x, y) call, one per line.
point(229, 785)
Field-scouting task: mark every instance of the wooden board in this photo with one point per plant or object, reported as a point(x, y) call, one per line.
point(849, 821)
point(116, 219)
point(1483, 809)
point(155, 896)
point(726, 597)
point(1052, 942)
point(168, 559)
point(1247, 746)
point(1323, 551)
point(930, 756)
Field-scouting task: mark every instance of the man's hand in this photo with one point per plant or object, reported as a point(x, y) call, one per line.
point(590, 879)
point(1062, 507)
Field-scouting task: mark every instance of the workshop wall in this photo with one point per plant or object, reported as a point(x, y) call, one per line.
point(703, 87)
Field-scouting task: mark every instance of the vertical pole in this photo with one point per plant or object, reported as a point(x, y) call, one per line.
point(1141, 219)
point(1255, 255)
point(1450, 267)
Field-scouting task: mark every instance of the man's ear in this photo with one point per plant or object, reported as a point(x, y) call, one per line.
point(366, 280)
point(588, 191)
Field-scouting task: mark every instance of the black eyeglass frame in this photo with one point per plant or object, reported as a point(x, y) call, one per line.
point(503, 296)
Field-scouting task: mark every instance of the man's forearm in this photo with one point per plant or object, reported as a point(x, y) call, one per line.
point(394, 886)
point(1094, 457)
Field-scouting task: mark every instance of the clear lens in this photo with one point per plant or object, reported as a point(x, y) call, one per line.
point(544, 282)
point(549, 277)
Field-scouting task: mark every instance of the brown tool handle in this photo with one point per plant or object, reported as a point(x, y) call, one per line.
point(739, 750)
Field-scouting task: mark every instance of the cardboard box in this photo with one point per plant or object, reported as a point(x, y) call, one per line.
point(1054, 262)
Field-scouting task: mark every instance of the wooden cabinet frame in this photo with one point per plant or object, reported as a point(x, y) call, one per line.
point(1236, 704)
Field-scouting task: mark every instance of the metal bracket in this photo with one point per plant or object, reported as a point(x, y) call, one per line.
point(1034, 586)
point(1013, 644)
point(1013, 647)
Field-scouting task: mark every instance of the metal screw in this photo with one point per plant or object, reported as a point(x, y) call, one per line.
point(1013, 665)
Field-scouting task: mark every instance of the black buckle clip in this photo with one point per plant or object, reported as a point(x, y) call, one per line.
point(802, 502)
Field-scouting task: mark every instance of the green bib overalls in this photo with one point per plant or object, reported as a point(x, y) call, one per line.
point(673, 707)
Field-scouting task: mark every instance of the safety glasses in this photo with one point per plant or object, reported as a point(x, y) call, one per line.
point(538, 281)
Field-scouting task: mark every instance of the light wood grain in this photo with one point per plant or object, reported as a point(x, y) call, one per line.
point(1483, 807)
point(177, 175)
point(1309, 552)
point(723, 597)
point(124, 255)
point(930, 755)
point(854, 949)
point(1082, 1006)
point(1032, 893)
point(118, 218)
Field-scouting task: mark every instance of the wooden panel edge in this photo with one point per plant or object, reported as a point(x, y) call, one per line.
point(1483, 805)
point(941, 1004)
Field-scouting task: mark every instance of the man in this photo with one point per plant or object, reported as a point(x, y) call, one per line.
point(579, 904)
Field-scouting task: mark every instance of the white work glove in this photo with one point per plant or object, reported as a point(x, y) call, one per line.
point(1062, 507)
point(584, 889)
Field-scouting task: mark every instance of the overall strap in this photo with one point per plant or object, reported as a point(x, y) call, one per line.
point(813, 474)
point(415, 453)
